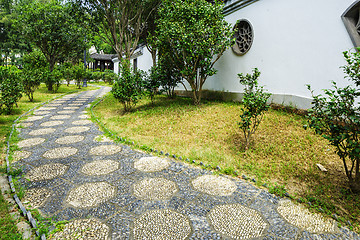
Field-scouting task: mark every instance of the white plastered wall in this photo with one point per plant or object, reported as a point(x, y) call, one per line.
point(295, 43)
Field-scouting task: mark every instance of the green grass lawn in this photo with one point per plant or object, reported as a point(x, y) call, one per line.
point(283, 153)
point(8, 229)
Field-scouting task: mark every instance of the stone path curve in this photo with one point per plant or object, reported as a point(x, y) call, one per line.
point(110, 191)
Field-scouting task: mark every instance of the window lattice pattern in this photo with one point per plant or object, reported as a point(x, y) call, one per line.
point(244, 37)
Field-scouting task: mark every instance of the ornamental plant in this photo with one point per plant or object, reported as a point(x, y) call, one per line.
point(10, 88)
point(193, 35)
point(336, 117)
point(254, 105)
point(128, 86)
point(32, 75)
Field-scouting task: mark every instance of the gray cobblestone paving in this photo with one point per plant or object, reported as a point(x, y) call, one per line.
point(109, 191)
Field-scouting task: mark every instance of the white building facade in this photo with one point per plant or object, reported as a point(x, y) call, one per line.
point(293, 43)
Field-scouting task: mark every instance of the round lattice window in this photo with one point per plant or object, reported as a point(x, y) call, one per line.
point(244, 37)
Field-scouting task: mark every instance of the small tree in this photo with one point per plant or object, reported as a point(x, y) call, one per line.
point(78, 73)
point(254, 105)
point(336, 116)
point(10, 88)
point(128, 86)
point(193, 35)
point(169, 77)
point(152, 82)
point(32, 75)
point(54, 28)
point(67, 71)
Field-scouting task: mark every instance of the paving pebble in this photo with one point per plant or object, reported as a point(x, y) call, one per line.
point(110, 191)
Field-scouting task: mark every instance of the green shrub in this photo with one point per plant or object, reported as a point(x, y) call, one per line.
point(152, 82)
point(78, 73)
point(169, 77)
point(34, 66)
point(10, 87)
point(109, 76)
point(67, 72)
point(254, 105)
point(52, 79)
point(128, 86)
point(336, 116)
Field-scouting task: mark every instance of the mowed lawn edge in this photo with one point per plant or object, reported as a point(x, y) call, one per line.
point(283, 154)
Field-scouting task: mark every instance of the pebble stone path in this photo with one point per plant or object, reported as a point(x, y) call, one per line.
point(110, 191)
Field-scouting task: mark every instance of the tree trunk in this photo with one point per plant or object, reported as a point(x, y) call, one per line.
point(355, 186)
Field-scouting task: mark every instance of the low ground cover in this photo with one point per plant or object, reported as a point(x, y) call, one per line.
point(8, 229)
point(283, 155)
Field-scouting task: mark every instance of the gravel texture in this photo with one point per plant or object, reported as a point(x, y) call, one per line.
point(62, 152)
point(86, 229)
point(214, 185)
point(37, 196)
point(237, 221)
point(105, 150)
point(30, 142)
point(42, 131)
point(70, 139)
point(110, 191)
point(100, 167)
point(45, 172)
point(155, 189)
point(302, 218)
point(90, 194)
point(151, 164)
point(162, 225)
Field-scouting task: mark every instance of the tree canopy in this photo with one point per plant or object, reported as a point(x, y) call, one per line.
point(193, 35)
point(53, 27)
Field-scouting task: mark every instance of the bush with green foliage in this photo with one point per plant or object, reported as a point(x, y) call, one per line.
point(52, 79)
point(336, 117)
point(128, 86)
point(79, 73)
point(254, 105)
point(193, 35)
point(169, 77)
point(109, 76)
point(67, 72)
point(152, 83)
point(34, 66)
point(10, 88)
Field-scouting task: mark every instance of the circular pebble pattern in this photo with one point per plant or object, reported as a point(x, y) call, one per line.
point(214, 185)
point(301, 217)
point(77, 129)
point(70, 139)
point(19, 155)
point(41, 112)
point(154, 189)
point(51, 123)
point(100, 167)
point(30, 142)
point(81, 122)
point(45, 172)
point(237, 221)
point(42, 131)
point(90, 194)
point(161, 224)
point(86, 229)
point(105, 150)
point(84, 116)
point(53, 105)
point(24, 124)
point(57, 117)
point(47, 108)
point(151, 164)
point(65, 112)
point(33, 118)
point(62, 152)
point(37, 196)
